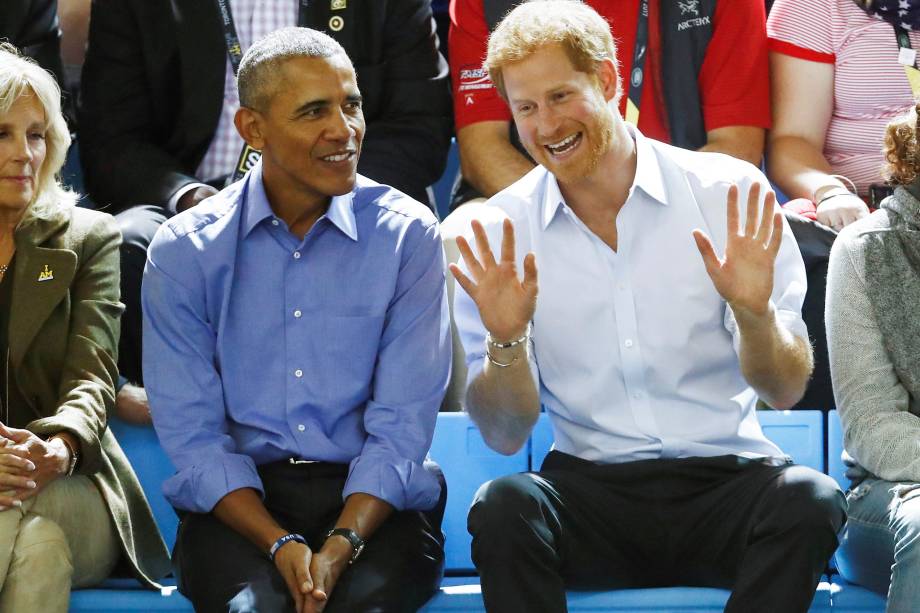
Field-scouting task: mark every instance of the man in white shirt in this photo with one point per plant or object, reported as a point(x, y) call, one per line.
point(647, 349)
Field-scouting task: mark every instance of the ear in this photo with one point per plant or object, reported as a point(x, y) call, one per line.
point(249, 124)
point(608, 79)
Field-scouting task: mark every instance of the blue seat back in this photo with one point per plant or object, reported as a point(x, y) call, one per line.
point(467, 463)
point(835, 465)
point(800, 434)
point(152, 467)
point(541, 441)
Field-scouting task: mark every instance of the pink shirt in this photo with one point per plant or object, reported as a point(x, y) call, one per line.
point(870, 87)
point(253, 19)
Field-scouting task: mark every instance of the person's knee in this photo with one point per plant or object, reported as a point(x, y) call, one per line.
point(505, 506)
point(905, 523)
point(810, 501)
point(41, 554)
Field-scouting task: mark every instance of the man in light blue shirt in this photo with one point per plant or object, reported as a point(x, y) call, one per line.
point(296, 353)
point(669, 302)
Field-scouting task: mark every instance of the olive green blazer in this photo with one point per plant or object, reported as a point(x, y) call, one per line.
point(63, 341)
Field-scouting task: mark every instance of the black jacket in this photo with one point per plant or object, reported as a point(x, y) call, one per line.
point(153, 83)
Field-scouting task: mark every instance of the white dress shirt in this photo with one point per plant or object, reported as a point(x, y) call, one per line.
point(635, 352)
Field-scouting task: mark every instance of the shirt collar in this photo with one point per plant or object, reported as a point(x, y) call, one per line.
point(648, 178)
point(341, 211)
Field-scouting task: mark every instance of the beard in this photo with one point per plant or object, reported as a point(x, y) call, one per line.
point(596, 137)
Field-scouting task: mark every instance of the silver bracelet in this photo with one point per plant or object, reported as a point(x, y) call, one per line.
point(514, 343)
point(500, 364)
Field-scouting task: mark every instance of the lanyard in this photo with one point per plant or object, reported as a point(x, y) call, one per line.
point(907, 57)
point(232, 40)
point(637, 74)
point(248, 156)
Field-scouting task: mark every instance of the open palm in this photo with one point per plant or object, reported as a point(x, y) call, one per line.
point(506, 304)
point(744, 278)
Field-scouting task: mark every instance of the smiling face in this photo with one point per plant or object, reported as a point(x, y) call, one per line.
point(561, 114)
point(311, 131)
point(22, 153)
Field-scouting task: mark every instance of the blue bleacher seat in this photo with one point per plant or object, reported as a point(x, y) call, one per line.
point(800, 434)
point(467, 463)
point(152, 467)
point(541, 441)
point(835, 465)
point(443, 188)
point(849, 598)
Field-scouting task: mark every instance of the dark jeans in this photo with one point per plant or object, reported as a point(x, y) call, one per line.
point(138, 225)
point(764, 531)
point(399, 570)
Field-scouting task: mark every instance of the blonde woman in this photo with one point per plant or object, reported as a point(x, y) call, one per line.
point(874, 341)
point(70, 506)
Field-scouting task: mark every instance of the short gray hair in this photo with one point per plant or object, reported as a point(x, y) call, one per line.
point(256, 79)
point(20, 76)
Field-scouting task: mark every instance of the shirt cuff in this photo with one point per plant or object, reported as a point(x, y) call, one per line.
point(200, 487)
point(174, 199)
point(399, 481)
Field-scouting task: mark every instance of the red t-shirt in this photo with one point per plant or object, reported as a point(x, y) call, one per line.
point(734, 80)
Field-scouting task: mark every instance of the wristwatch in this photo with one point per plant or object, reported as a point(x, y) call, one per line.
point(357, 543)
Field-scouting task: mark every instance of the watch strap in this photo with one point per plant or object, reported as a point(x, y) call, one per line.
point(357, 543)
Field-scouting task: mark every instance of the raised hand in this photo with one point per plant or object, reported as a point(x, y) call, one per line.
point(744, 278)
point(506, 304)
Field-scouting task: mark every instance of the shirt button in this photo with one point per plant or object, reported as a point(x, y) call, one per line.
point(297, 313)
point(637, 395)
point(298, 373)
point(296, 255)
point(621, 287)
point(275, 222)
point(628, 342)
point(301, 427)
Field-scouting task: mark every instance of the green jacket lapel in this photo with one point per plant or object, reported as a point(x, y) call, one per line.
point(42, 277)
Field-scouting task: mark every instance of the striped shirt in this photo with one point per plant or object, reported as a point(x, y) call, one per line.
point(870, 87)
point(253, 20)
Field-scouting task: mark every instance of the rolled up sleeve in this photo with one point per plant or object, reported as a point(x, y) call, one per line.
point(182, 381)
point(413, 368)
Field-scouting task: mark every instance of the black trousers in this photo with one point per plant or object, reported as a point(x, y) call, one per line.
point(138, 225)
point(764, 531)
point(399, 570)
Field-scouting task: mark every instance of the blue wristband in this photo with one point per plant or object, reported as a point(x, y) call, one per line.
point(293, 536)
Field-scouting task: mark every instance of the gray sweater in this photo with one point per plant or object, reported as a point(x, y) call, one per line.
point(880, 419)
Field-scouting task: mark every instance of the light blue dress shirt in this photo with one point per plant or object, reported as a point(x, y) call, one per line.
point(259, 346)
point(634, 351)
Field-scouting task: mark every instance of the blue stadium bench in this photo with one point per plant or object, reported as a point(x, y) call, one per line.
point(467, 463)
point(801, 434)
point(152, 467)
